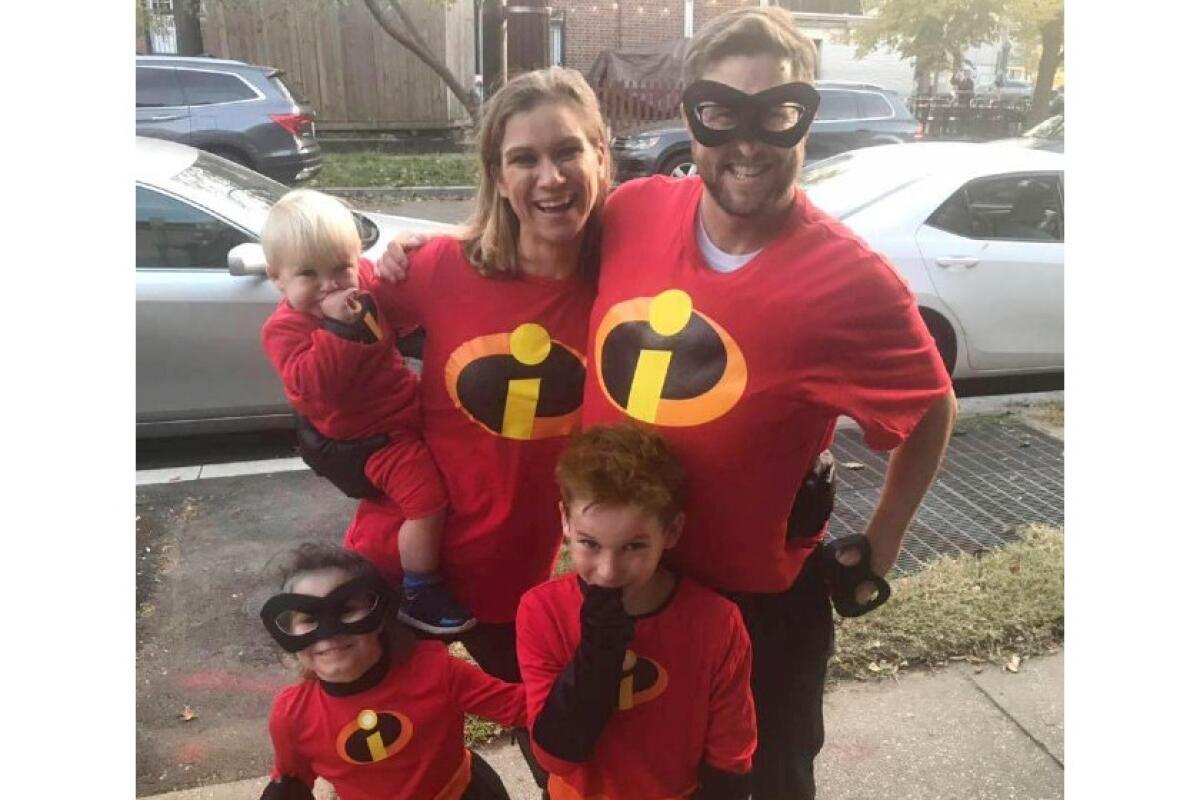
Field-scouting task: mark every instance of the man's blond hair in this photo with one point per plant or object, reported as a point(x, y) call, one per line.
point(309, 226)
point(751, 32)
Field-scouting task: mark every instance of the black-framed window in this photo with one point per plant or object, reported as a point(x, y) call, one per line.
point(172, 234)
point(1026, 207)
point(157, 87)
point(205, 88)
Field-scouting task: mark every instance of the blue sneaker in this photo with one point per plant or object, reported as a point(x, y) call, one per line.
point(430, 607)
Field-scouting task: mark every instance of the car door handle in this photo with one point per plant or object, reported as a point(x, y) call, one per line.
point(163, 117)
point(957, 261)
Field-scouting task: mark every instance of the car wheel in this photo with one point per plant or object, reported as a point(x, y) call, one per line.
point(943, 337)
point(680, 166)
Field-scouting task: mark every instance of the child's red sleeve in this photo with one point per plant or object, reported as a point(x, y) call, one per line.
point(315, 365)
point(480, 694)
point(542, 656)
point(288, 762)
point(732, 729)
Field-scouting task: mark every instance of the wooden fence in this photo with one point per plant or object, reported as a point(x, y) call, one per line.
point(339, 58)
point(634, 105)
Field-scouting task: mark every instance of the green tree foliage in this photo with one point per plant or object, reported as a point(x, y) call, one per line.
point(934, 33)
point(1040, 26)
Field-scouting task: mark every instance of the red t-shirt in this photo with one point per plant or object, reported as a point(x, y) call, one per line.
point(687, 698)
point(348, 390)
point(402, 739)
point(501, 389)
point(746, 372)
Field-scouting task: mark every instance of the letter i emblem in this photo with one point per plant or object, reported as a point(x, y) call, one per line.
point(625, 696)
point(530, 345)
point(368, 722)
point(669, 314)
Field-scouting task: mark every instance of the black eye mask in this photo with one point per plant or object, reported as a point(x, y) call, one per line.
point(750, 112)
point(366, 593)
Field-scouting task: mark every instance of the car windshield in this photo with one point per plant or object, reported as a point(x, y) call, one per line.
point(252, 193)
point(1048, 129)
point(849, 182)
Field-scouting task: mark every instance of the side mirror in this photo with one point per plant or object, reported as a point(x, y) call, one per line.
point(247, 259)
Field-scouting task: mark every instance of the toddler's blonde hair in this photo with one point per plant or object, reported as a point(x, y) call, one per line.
point(310, 227)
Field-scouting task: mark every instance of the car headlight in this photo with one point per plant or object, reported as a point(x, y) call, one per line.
point(641, 143)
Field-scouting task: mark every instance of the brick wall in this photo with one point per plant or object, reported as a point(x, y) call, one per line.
point(592, 25)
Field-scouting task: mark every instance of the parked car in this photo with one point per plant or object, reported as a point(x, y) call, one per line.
point(976, 230)
point(851, 115)
point(240, 111)
point(1046, 135)
point(1011, 89)
point(202, 293)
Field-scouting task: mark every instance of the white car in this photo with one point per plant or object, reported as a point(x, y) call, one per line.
point(202, 294)
point(977, 231)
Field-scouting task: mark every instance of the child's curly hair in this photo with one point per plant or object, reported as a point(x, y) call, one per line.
point(622, 465)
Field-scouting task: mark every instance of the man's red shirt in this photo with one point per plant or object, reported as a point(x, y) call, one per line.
point(746, 372)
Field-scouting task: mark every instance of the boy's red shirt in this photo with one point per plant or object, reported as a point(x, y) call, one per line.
point(346, 389)
point(687, 700)
point(745, 373)
point(402, 739)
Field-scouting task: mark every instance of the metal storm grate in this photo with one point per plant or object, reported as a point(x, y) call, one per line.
point(994, 476)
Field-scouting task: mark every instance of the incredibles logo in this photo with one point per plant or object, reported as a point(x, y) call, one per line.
point(664, 362)
point(642, 680)
point(374, 736)
point(519, 385)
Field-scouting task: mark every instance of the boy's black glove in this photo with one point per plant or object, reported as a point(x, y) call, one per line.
point(342, 463)
point(717, 784)
point(844, 580)
point(814, 500)
point(287, 788)
point(588, 688)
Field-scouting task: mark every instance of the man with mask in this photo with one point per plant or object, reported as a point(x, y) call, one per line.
point(741, 321)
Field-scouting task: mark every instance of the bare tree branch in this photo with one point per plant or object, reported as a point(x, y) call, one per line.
point(405, 32)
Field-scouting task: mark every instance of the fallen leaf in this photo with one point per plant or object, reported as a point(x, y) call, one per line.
point(873, 667)
point(1014, 566)
point(1014, 664)
point(978, 668)
point(853, 465)
point(187, 715)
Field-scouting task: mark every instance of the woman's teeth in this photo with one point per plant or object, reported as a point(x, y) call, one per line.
point(560, 205)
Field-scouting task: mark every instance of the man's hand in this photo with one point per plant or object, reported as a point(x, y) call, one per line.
point(393, 264)
point(340, 306)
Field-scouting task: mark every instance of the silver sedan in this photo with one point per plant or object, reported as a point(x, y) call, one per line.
point(202, 295)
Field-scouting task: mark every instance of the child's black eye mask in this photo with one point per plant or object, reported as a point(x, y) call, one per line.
point(365, 593)
point(750, 113)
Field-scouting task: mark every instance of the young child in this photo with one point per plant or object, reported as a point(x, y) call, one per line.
point(341, 370)
point(637, 680)
point(377, 714)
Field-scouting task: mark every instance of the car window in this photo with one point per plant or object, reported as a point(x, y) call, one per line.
point(172, 234)
point(205, 88)
point(836, 105)
point(871, 104)
point(157, 88)
point(1024, 208)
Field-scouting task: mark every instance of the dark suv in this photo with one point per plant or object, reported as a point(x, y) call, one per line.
point(851, 115)
point(243, 112)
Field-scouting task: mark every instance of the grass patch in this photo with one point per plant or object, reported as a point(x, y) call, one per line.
point(392, 170)
point(1050, 413)
point(986, 608)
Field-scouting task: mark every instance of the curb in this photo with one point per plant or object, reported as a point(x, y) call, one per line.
point(405, 192)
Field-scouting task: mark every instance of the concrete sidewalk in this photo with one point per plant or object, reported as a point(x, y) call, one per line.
point(955, 733)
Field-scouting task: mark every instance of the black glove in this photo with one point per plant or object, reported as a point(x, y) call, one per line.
point(814, 500)
point(287, 788)
point(717, 784)
point(843, 580)
point(340, 462)
point(365, 329)
point(587, 690)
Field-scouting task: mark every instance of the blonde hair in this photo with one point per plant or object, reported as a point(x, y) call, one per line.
point(309, 225)
point(489, 238)
point(751, 32)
